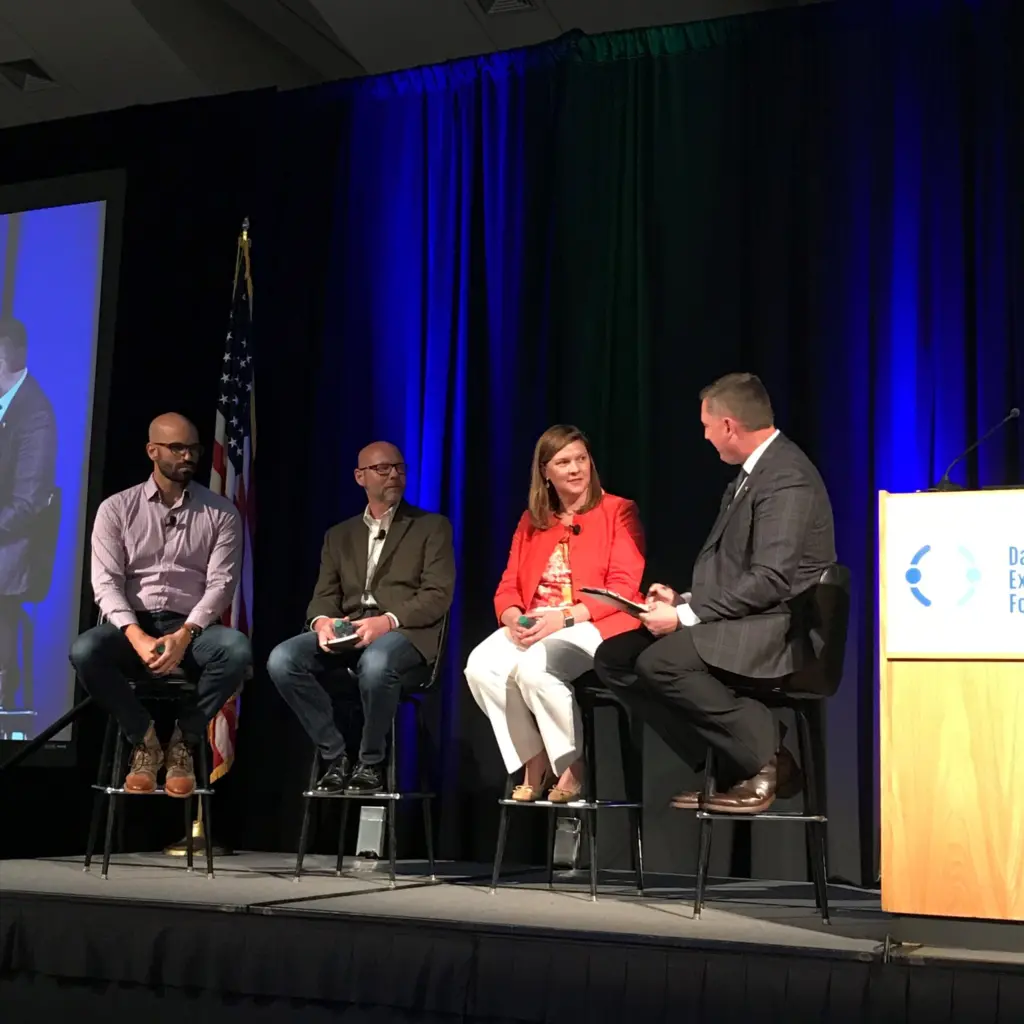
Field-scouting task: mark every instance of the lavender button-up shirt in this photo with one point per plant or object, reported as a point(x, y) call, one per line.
point(147, 556)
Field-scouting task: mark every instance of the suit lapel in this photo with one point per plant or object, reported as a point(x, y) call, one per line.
point(742, 494)
point(359, 544)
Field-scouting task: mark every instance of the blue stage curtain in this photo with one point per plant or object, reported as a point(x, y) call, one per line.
point(592, 230)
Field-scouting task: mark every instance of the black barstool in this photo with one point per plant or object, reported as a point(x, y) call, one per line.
point(109, 784)
point(804, 693)
point(392, 795)
point(590, 695)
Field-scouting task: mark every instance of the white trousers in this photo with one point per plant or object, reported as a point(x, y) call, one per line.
point(524, 693)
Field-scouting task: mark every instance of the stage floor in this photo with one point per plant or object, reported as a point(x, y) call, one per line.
point(752, 942)
point(766, 914)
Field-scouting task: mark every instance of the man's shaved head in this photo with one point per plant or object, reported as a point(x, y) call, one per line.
point(174, 447)
point(383, 489)
point(170, 427)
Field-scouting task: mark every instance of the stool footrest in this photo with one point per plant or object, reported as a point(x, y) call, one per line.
point(762, 816)
point(159, 791)
point(317, 795)
point(574, 805)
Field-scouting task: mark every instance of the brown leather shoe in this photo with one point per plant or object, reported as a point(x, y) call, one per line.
point(147, 760)
point(751, 796)
point(688, 801)
point(180, 780)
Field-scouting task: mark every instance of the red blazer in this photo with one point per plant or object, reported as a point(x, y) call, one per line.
point(607, 552)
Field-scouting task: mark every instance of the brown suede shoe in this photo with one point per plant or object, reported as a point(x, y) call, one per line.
point(147, 760)
point(180, 780)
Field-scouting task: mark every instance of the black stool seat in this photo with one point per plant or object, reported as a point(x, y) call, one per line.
point(590, 695)
point(827, 605)
point(109, 785)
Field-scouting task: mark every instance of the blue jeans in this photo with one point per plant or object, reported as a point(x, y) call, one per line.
point(306, 677)
point(217, 661)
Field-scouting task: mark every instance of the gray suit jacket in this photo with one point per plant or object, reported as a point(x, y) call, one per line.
point(414, 578)
point(767, 548)
point(28, 454)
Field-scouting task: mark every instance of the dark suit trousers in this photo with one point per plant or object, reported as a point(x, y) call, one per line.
point(688, 703)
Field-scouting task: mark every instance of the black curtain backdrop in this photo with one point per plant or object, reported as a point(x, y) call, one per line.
point(457, 257)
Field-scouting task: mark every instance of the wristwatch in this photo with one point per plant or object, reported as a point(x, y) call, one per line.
point(193, 632)
point(567, 619)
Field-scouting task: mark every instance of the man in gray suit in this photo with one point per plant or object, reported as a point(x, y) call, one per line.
point(28, 452)
point(743, 622)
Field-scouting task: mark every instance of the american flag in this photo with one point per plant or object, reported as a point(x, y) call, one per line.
point(234, 455)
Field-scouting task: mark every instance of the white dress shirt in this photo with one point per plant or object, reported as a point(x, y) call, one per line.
point(8, 396)
point(687, 616)
point(378, 529)
point(376, 534)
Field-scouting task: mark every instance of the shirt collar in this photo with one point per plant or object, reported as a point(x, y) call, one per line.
point(152, 492)
point(386, 518)
point(748, 466)
point(6, 399)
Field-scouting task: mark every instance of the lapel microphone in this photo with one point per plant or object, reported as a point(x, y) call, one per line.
point(382, 534)
point(171, 520)
point(575, 529)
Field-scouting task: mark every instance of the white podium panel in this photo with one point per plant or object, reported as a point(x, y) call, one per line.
point(952, 582)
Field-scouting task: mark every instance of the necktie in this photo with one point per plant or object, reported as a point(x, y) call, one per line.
point(737, 485)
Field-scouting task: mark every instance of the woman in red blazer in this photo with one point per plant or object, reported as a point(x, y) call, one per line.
point(572, 535)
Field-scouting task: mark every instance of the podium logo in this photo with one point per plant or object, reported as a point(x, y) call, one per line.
point(954, 581)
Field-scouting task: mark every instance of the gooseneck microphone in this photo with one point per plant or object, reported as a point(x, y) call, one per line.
point(945, 484)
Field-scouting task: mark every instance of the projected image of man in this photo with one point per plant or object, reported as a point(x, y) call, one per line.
point(28, 451)
point(166, 557)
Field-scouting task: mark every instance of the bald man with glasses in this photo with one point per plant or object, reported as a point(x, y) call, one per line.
point(389, 575)
point(166, 559)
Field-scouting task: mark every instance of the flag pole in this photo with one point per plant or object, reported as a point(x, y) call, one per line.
point(199, 837)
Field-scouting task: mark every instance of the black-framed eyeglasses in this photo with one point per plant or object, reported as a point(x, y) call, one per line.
point(384, 468)
point(180, 450)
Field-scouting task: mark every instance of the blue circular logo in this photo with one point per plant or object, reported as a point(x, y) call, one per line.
point(964, 586)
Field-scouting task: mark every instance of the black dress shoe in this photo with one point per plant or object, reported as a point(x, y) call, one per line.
point(335, 777)
point(366, 779)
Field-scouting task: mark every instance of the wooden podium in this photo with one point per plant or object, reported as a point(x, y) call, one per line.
point(951, 606)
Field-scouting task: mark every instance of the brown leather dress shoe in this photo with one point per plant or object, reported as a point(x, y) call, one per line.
point(180, 780)
point(751, 796)
point(789, 782)
point(146, 761)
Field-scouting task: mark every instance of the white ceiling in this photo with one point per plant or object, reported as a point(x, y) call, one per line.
point(106, 54)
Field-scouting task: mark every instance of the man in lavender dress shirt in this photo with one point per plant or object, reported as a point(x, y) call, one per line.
point(166, 556)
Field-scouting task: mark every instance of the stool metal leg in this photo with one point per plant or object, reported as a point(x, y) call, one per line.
point(590, 824)
point(339, 864)
point(391, 812)
point(704, 840)
point(631, 748)
point(113, 799)
point(815, 829)
point(206, 803)
point(428, 824)
point(102, 777)
point(552, 826)
point(189, 841)
point(306, 813)
point(499, 849)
